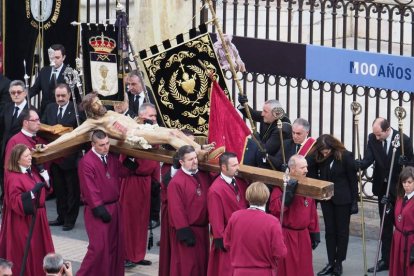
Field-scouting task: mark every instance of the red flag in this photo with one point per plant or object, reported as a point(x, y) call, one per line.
point(226, 127)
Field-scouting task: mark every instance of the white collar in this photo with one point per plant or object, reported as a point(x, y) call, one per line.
point(21, 106)
point(410, 195)
point(261, 208)
point(25, 132)
point(226, 178)
point(23, 169)
point(100, 155)
point(188, 172)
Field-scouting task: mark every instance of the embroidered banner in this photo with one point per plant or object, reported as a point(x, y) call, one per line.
point(179, 77)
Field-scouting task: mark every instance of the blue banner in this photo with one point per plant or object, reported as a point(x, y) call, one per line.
point(360, 68)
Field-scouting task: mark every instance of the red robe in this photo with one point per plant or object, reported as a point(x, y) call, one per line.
point(222, 202)
point(165, 247)
point(135, 201)
point(254, 240)
point(299, 219)
point(20, 138)
point(187, 209)
point(105, 255)
point(16, 223)
point(404, 222)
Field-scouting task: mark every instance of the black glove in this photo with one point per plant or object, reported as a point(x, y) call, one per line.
point(290, 191)
point(38, 187)
point(102, 213)
point(354, 207)
point(412, 255)
point(186, 235)
point(148, 121)
point(242, 99)
point(176, 162)
point(387, 204)
point(358, 164)
point(385, 200)
point(283, 167)
point(315, 239)
point(218, 244)
point(262, 154)
point(403, 160)
point(128, 163)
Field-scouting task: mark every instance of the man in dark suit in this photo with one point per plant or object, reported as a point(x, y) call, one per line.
point(64, 171)
point(268, 134)
point(136, 94)
point(10, 118)
point(49, 77)
point(299, 144)
point(379, 150)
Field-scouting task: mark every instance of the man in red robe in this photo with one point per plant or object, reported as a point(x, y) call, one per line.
point(187, 208)
point(300, 223)
point(99, 173)
point(225, 196)
point(136, 195)
point(253, 237)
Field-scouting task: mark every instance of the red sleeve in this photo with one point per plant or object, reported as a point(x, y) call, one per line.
point(227, 233)
point(176, 198)
point(91, 191)
point(215, 214)
point(278, 246)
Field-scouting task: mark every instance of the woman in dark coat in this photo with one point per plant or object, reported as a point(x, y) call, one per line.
point(336, 164)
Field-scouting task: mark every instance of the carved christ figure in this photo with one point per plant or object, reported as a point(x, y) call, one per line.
point(124, 128)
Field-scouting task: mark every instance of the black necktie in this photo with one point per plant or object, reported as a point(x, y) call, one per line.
point(60, 115)
point(385, 146)
point(405, 200)
point(297, 148)
point(29, 171)
point(16, 111)
point(104, 160)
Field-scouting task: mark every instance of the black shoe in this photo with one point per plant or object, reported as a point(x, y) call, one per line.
point(327, 270)
point(68, 227)
point(381, 266)
point(144, 262)
point(337, 271)
point(153, 224)
point(55, 222)
point(129, 264)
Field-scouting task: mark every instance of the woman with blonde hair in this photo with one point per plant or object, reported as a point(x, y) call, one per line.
point(254, 238)
point(24, 207)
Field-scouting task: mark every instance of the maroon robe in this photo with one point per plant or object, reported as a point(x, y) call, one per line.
point(299, 219)
point(20, 138)
point(16, 223)
point(165, 247)
point(135, 201)
point(100, 186)
point(254, 239)
point(187, 209)
point(222, 201)
point(404, 222)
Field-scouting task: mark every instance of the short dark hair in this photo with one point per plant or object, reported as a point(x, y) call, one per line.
point(383, 123)
point(63, 85)
point(224, 158)
point(59, 47)
point(406, 173)
point(5, 263)
point(182, 151)
point(98, 134)
point(25, 115)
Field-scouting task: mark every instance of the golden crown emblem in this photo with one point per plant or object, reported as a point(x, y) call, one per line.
point(102, 44)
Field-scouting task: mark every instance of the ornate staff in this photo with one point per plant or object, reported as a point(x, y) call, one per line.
point(80, 80)
point(286, 178)
point(71, 78)
point(400, 113)
point(278, 113)
point(395, 144)
point(229, 60)
point(26, 83)
point(121, 22)
point(356, 109)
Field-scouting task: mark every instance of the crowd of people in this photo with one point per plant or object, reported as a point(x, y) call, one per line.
point(212, 224)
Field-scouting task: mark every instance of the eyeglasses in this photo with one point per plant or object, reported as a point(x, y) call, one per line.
point(34, 120)
point(19, 92)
